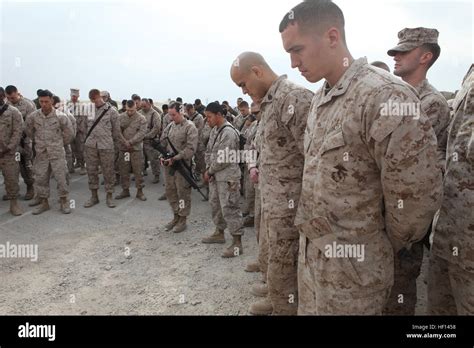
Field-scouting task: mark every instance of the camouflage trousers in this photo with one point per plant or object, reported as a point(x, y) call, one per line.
point(249, 194)
point(178, 193)
point(131, 161)
point(450, 288)
point(69, 159)
point(224, 200)
point(43, 168)
point(282, 263)
point(26, 164)
point(10, 170)
point(116, 158)
point(402, 300)
point(77, 148)
point(262, 238)
point(153, 156)
point(105, 159)
point(332, 286)
point(200, 162)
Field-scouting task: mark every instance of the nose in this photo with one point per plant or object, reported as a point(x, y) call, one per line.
point(295, 62)
point(245, 90)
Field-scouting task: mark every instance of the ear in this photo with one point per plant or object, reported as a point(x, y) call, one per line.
point(426, 58)
point(257, 71)
point(334, 37)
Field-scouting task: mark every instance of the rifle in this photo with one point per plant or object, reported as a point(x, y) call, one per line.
point(178, 166)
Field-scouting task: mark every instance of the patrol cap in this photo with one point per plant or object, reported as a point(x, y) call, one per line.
point(412, 38)
point(75, 92)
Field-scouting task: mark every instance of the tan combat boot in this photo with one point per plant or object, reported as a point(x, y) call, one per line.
point(64, 203)
point(35, 203)
point(44, 206)
point(109, 200)
point(259, 290)
point(15, 209)
point(93, 200)
point(30, 193)
point(216, 238)
point(140, 195)
point(169, 226)
point(235, 249)
point(181, 225)
point(123, 194)
point(263, 307)
point(253, 267)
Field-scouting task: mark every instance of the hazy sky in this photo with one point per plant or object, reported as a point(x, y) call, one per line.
point(164, 49)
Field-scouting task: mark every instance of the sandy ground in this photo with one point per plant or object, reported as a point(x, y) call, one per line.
point(120, 261)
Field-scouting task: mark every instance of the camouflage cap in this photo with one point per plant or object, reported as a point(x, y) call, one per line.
point(104, 94)
point(413, 38)
point(74, 92)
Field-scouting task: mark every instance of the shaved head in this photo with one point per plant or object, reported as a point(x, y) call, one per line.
point(247, 60)
point(252, 73)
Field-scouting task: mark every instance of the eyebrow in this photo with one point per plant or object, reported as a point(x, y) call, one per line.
point(293, 48)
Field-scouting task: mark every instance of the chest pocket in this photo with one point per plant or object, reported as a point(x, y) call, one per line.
point(53, 125)
point(333, 141)
point(5, 122)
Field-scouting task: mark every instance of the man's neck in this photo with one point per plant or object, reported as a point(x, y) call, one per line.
point(220, 123)
point(270, 80)
point(47, 112)
point(100, 104)
point(340, 69)
point(415, 78)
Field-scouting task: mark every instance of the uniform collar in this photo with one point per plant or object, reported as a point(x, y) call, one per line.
point(52, 113)
point(344, 82)
point(273, 89)
point(422, 85)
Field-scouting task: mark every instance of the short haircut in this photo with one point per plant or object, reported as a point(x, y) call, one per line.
point(189, 106)
point(45, 93)
point(380, 65)
point(124, 102)
point(150, 100)
point(131, 103)
point(215, 108)
point(243, 104)
point(38, 92)
point(136, 97)
point(94, 93)
point(197, 102)
point(56, 99)
point(10, 89)
point(435, 49)
point(314, 14)
point(225, 102)
point(176, 106)
point(164, 107)
point(146, 100)
point(2, 91)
